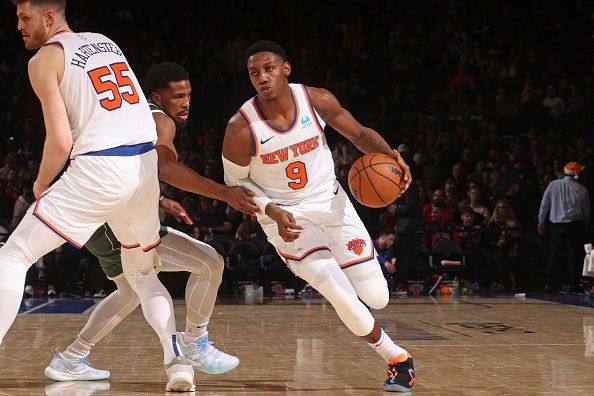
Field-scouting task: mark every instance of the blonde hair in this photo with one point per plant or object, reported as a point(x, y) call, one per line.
point(510, 219)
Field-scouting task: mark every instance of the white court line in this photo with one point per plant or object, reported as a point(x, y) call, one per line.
point(36, 308)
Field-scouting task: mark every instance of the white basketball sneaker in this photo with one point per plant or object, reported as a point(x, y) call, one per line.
point(205, 357)
point(180, 375)
point(62, 369)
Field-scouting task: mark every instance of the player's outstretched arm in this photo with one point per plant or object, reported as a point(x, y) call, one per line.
point(46, 69)
point(365, 139)
point(178, 175)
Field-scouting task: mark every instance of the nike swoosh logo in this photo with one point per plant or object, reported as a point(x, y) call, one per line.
point(336, 192)
point(264, 141)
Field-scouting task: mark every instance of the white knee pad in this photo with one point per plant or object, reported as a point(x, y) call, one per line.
point(370, 284)
point(377, 299)
point(326, 277)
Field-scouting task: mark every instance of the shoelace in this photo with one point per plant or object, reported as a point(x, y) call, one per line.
point(208, 349)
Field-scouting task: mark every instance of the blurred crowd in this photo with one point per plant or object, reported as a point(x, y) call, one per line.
point(486, 100)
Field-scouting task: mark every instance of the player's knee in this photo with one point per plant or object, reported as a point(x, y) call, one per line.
point(137, 278)
point(218, 265)
point(127, 294)
point(18, 252)
point(377, 299)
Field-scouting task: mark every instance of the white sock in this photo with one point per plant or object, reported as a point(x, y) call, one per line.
point(387, 349)
point(79, 349)
point(193, 332)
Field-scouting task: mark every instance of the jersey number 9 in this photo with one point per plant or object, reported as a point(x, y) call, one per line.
point(296, 171)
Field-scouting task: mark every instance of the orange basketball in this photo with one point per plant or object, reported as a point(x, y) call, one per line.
point(376, 180)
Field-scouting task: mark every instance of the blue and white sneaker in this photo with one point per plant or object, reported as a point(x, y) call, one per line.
point(62, 369)
point(205, 357)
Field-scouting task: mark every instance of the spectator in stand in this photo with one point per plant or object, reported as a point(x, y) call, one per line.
point(474, 194)
point(566, 204)
point(459, 179)
point(471, 241)
point(409, 231)
point(553, 103)
point(440, 227)
point(438, 198)
point(21, 205)
point(385, 255)
point(212, 217)
point(501, 235)
point(249, 229)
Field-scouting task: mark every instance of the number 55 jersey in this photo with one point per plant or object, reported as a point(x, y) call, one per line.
point(105, 104)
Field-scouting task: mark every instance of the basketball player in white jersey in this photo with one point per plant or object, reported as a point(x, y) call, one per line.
point(94, 114)
point(168, 88)
point(275, 145)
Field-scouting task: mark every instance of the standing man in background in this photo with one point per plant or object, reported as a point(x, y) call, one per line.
point(567, 205)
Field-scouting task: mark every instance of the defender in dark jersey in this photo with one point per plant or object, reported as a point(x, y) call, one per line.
point(169, 90)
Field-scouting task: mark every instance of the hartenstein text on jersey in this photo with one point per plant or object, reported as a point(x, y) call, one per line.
point(84, 52)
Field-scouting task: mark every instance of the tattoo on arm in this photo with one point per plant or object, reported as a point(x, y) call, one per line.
point(369, 141)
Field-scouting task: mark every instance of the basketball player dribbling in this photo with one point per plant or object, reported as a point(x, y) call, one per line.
point(168, 88)
point(94, 114)
point(275, 146)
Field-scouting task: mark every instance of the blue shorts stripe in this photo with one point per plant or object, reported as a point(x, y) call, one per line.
point(122, 151)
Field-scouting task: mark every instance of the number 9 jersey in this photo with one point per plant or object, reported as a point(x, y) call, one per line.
point(294, 164)
point(105, 104)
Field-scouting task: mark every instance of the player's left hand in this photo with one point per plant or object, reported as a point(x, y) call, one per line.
point(39, 188)
point(175, 209)
point(405, 169)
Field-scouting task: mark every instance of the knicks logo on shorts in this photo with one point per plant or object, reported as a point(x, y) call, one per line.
point(356, 246)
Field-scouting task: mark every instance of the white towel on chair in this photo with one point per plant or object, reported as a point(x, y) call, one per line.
point(588, 269)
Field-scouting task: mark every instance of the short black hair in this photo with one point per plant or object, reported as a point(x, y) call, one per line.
point(265, 46)
point(160, 75)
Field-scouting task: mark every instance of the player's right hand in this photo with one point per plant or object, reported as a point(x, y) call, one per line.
point(288, 228)
point(241, 199)
point(175, 209)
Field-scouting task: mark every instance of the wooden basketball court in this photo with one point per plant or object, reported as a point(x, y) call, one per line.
point(462, 346)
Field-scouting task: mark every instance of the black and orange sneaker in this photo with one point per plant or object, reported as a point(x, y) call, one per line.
point(401, 374)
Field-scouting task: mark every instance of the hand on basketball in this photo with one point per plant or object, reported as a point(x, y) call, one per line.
point(405, 169)
point(288, 228)
point(175, 209)
point(241, 199)
point(39, 188)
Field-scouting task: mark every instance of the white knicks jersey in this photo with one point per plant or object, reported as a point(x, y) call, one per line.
point(104, 101)
point(294, 164)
